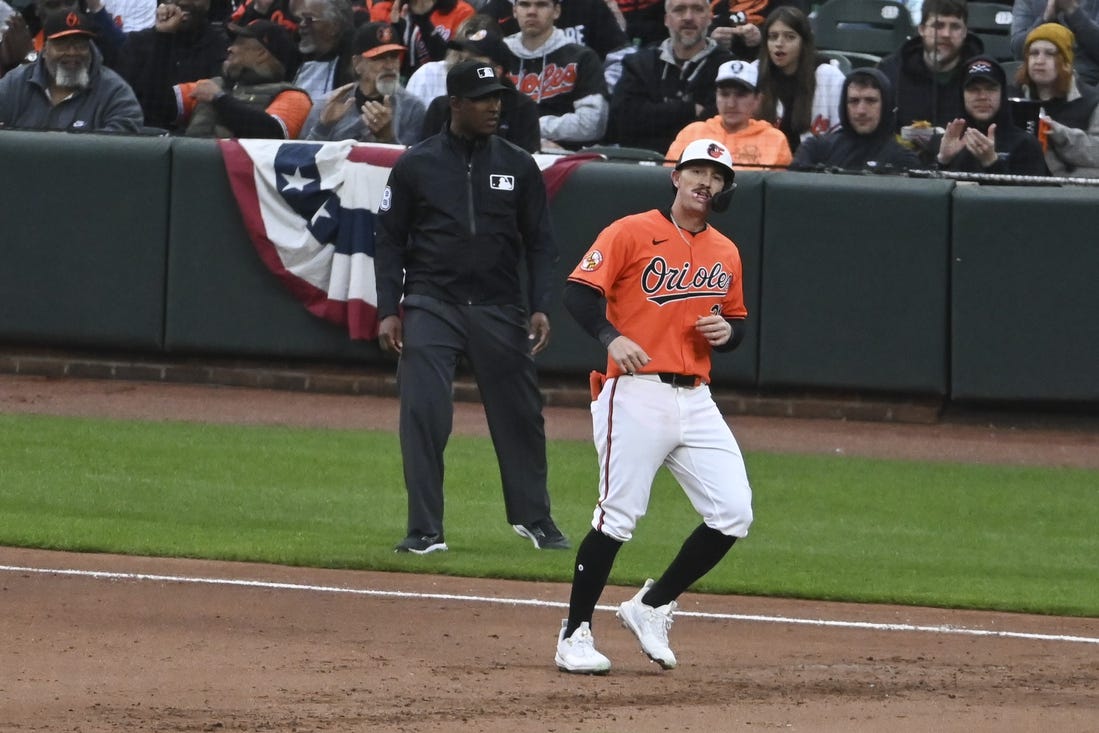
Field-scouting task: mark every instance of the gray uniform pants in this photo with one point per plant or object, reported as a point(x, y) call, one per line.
point(494, 340)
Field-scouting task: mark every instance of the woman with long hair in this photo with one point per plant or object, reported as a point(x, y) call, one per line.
point(801, 91)
point(1069, 118)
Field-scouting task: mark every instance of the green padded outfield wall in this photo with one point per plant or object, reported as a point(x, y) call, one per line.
point(82, 255)
point(596, 194)
point(855, 289)
point(1025, 294)
point(222, 299)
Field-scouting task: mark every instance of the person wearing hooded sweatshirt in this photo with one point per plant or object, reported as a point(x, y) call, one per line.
point(926, 71)
point(564, 79)
point(986, 139)
point(1069, 117)
point(865, 138)
point(752, 142)
point(67, 87)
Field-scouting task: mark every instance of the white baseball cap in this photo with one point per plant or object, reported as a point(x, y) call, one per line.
point(709, 151)
point(738, 72)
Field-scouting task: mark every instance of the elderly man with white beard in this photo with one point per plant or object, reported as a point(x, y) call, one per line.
point(376, 108)
point(68, 88)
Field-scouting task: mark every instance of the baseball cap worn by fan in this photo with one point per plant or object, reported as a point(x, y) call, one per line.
point(60, 25)
point(486, 42)
point(738, 72)
point(374, 39)
point(472, 80)
point(983, 67)
point(271, 36)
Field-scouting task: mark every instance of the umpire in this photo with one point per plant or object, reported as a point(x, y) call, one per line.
point(461, 210)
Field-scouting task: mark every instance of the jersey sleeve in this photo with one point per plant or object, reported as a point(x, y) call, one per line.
point(601, 264)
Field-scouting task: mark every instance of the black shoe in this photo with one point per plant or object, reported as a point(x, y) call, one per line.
point(544, 534)
point(421, 544)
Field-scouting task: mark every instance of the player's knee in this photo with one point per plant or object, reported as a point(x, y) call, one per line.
point(732, 524)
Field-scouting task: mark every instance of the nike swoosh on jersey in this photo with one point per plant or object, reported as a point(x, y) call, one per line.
point(658, 241)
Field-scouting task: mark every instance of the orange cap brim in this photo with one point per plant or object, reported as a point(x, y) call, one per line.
point(379, 50)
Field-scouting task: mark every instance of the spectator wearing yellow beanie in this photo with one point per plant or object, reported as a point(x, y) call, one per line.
point(1069, 117)
point(1079, 16)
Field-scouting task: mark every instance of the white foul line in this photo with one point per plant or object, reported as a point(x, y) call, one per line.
point(104, 575)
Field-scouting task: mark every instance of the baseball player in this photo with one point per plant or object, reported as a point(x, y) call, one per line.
point(660, 290)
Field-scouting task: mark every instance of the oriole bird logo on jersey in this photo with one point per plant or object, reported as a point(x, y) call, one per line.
point(592, 260)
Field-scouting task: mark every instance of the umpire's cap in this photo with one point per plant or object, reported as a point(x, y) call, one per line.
point(473, 80)
point(709, 151)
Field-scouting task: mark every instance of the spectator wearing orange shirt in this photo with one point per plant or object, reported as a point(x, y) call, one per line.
point(252, 98)
point(753, 143)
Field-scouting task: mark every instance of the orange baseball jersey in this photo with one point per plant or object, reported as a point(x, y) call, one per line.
point(657, 285)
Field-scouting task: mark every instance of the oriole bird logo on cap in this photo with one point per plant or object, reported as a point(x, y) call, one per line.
point(72, 20)
point(385, 34)
point(715, 150)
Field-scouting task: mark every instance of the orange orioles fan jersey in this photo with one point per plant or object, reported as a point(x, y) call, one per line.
point(657, 286)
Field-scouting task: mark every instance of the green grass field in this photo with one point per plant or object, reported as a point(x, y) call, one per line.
point(827, 527)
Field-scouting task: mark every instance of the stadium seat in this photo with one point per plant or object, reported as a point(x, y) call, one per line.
point(620, 154)
point(862, 30)
point(1010, 68)
point(838, 60)
point(991, 22)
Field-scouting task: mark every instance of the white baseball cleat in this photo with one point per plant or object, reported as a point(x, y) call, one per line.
point(577, 653)
point(650, 626)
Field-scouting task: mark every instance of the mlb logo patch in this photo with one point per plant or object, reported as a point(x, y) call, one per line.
point(500, 182)
point(485, 72)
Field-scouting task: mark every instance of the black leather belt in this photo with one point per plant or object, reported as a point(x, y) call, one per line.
point(689, 381)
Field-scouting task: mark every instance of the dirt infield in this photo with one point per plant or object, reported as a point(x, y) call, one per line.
point(115, 643)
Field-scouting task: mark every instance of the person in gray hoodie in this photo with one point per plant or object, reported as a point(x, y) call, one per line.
point(565, 79)
point(68, 88)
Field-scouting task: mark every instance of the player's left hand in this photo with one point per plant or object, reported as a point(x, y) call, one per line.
point(539, 332)
point(715, 329)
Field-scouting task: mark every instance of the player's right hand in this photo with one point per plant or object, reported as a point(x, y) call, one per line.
point(391, 334)
point(628, 355)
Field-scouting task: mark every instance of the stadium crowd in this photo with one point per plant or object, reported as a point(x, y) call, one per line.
point(635, 79)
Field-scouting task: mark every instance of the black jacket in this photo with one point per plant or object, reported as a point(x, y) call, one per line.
point(152, 63)
point(655, 99)
point(920, 95)
point(846, 149)
point(456, 220)
point(1017, 151)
